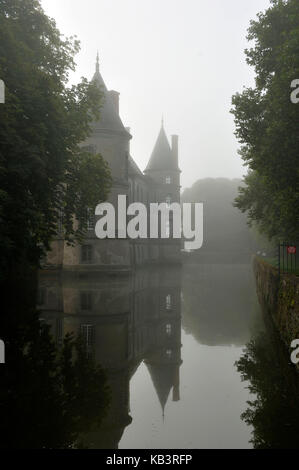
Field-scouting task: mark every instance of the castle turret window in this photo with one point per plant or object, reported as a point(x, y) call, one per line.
point(168, 329)
point(168, 302)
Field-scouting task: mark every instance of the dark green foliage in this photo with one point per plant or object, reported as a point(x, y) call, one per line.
point(273, 411)
point(49, 398)
point(267, 123)
point(43, 170)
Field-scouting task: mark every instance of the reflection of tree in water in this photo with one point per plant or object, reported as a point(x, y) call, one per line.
point(220, 305)
point(48, 397)
point(274, 413)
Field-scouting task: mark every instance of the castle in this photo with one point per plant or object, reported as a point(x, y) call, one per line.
point(160, 182)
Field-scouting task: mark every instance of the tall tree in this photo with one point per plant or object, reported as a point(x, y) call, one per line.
point(267, 123)
point(43, 169)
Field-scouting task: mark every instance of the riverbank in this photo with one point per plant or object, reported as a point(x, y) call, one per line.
point(279, 299)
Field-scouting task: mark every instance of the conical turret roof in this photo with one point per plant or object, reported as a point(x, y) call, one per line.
point(109, 119)
point(162, 376)
point(162, 157)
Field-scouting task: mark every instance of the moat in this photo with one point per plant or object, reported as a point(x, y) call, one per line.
point(185, 350)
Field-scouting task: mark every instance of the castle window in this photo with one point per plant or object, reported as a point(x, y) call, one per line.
point(168, 302)
point(90, 220)
point(168, 180)
point(86, 254)
point(168, 329)
point(88, 336)
point(86, 301)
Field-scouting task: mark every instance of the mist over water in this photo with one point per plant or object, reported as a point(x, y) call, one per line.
point(169, 340)
point(115, 333)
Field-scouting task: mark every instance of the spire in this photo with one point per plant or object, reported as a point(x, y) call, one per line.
point(98, 63)
point(109, 119)
point(162, 157)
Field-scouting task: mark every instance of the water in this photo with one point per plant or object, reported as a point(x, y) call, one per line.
point(172, 341)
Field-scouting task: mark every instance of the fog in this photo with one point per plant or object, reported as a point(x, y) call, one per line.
point(180, 59)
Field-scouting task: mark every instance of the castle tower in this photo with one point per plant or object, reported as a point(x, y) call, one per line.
point(163, 170)
point(111, 139)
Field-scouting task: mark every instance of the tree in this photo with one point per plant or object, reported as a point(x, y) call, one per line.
point(272, 381)
point(267, 123)
point(50, 398)
point(44, 171)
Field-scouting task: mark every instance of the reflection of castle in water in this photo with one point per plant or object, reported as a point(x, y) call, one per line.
point(124, 321)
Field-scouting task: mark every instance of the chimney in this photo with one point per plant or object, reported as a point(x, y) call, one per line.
point(175, 148)
point(114, 95)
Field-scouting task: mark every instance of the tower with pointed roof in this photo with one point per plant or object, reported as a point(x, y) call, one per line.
point(164, 173)
point(111, 139)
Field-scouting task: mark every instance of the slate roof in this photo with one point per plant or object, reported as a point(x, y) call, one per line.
point(134, 168)
point(162, 157)
point(109, 116)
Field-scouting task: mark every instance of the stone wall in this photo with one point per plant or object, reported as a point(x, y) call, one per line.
point(279, 298)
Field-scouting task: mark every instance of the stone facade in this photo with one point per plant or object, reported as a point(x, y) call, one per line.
point(160, 182)
point(279, 298)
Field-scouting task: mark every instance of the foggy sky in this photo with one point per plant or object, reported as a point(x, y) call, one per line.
point(180, 58)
